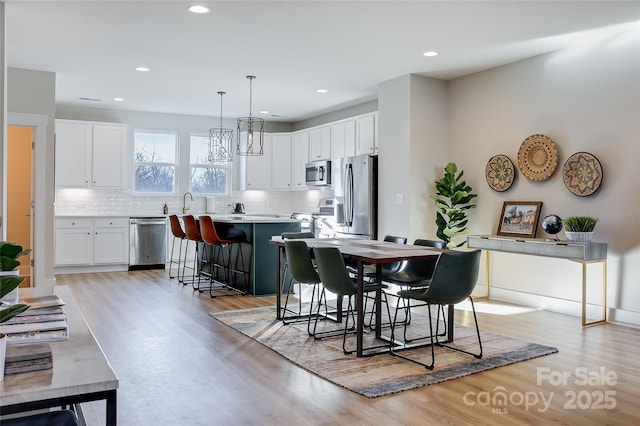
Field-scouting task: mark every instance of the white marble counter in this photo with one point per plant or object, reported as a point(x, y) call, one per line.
point(79, 365)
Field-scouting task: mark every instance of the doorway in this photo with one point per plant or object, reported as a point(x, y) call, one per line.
point(19, 193)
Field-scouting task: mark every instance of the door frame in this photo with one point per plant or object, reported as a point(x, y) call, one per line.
point(38, 122)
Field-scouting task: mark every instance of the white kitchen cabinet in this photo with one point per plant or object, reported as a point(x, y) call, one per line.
point(281, 161)
point(74, 241)
point(111, 240)
point(366, 134)
point(90, 155)
point(343, 139)
point(320, 143)
point(255, 170)
point(91, 241)
point(299, 159)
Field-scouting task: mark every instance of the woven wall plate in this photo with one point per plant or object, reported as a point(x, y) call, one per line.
point(537, 158)
point(582, 174)
point(500, 173)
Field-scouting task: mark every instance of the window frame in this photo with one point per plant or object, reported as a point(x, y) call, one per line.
point(175, 164)
point(222, 165)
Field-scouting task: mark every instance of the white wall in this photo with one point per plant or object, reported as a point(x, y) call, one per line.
point(413, 150)
point(585, 98)
point(32, 94)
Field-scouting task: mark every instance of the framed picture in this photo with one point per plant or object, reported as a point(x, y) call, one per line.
point(519, 218)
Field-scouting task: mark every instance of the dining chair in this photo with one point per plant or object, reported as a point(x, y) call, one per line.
point(369, 272)
point(178, 234)
point(454, 278)
point(336, 279)
point(303, 271)
point(285, 273)
point(414, 273)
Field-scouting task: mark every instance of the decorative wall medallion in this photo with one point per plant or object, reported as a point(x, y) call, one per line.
point(500, 173)
point(537, 158)
point(582, 174)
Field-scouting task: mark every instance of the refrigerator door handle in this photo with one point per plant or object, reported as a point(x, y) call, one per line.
point(349, 195)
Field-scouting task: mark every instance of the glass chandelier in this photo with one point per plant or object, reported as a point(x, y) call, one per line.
point(250, 131)
point(220, 141)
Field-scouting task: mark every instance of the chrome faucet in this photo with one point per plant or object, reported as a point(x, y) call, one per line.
point(184, 202)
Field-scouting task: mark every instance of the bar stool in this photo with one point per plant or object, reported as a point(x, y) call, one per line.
point(193, 234)
point(178, 234)
point(211, 239)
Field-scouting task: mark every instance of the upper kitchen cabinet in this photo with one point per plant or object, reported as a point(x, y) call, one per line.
point(255, 170)
point(320, 143)
point(281, 161)
point(343, 139)
point(90, 155)
point(367, 134)
point(299, 159)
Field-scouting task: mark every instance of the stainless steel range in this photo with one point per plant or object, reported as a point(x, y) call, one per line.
point(324, 220)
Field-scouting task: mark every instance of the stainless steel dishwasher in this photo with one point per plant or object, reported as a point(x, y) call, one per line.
point(147, 242)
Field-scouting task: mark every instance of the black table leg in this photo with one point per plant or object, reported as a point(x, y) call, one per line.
point(278, 283)
point(359, 310)
point(112, 409)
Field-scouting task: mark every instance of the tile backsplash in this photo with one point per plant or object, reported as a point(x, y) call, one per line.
point(118, 202)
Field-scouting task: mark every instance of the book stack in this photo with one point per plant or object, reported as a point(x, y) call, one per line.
point(27, 357)
point(44, 321)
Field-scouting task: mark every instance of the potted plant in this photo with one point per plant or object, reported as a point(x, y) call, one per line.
point(9, 254)
point(453, 199)
point(579, 229)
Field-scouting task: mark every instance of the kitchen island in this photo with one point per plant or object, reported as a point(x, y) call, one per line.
point(261, 260)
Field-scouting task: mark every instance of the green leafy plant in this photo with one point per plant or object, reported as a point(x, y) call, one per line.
point(8, 283)
point(9, 254)
point(579, 223)
point(453, 199)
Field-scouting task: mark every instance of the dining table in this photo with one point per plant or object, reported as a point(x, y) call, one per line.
point(362, 252)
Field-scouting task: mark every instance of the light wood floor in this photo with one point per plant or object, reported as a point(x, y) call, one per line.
point(178, 366)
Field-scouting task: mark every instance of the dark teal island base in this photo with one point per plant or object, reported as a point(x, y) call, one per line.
point(260, 257)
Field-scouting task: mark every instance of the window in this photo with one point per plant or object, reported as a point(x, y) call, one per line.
point(155, 162)
point(206, 177)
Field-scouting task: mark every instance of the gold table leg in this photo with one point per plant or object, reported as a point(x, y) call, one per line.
point(584, 293)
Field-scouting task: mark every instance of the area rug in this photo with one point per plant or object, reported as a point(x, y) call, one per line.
point(381, 374)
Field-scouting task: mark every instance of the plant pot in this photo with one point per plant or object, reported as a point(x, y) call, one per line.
point(11, 298)
point(3, 353)
point(579, 237)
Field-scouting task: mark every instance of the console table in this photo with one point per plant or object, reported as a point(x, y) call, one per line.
point(575, 252)
point(80, 373)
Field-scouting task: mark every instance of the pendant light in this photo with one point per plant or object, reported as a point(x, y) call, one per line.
point(220, 141)
point(250, 131)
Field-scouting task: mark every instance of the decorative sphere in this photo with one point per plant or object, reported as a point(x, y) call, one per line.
point(552, 224)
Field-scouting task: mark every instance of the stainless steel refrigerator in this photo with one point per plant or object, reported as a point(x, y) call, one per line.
point(355, 188)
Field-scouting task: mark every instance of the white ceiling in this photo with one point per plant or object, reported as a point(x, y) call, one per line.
point(293, 47)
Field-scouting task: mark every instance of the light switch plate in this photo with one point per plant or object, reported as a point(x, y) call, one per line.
point(399, 198)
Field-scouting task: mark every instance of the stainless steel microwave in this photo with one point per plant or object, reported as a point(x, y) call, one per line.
point(318, 173)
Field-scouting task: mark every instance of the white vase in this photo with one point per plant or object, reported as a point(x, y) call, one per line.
point(12, 297)
point(579, 237)
point(3, 353)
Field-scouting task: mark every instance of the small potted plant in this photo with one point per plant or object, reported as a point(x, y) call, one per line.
point(579, 229)
point(9, 255)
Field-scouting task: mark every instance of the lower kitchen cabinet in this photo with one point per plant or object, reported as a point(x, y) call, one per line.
point(91, 241)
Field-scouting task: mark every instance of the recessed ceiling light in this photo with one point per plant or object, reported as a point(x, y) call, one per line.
point(118, 99)
point(322, 90)
point(143, 69)
point(430, 53)
point(264, 112)
point(197, 8)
